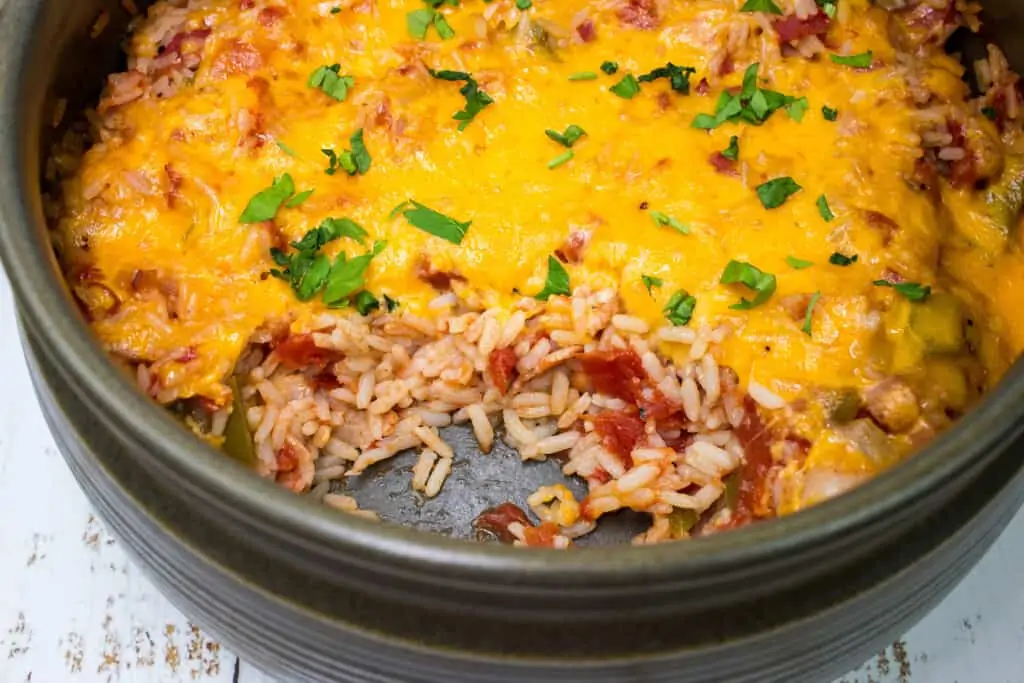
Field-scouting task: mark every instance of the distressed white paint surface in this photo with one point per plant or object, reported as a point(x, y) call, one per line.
point(72, 608)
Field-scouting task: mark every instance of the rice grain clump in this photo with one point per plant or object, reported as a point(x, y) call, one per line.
point(721, 259)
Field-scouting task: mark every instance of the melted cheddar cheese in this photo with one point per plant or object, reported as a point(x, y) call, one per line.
point(248, 116)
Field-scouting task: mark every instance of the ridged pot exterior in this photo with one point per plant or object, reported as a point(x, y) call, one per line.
point(312, 595)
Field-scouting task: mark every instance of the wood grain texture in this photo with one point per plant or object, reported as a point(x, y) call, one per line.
point(72, 608)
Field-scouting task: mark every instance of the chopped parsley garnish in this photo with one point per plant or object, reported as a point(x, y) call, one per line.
point(679, 309)
point(740, 272)
point(732, 152)
point(335, 10)
point(660, 219)
point(752, 104)
point(561, 159)
point(265, 203)
point(627, 88)
point(775, 192)
point(809, 316)
point(609, 67)
point(837, 259)
point(365, 302)
point(569, 137)
point(287, 150)
point(476, 99)
point(859, 61)
point(524, 4)
point(761, 6)
point(390, 304)
point(823, 208)
point(428, 220)
point(298, 199)
point(327, 79)
point(353, 161)
point(557, 281)
point(797, 108)
point(307, 269)
point(829, 7)
point(678, 77)
point(798, 263)
point(348, 276)
point(914, 291)
point(419, 21)
point(989, 113)
point(829, 113)
point(583, 76)
point(651, 281)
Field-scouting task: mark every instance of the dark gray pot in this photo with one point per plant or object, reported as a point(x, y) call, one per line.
point(309, 594)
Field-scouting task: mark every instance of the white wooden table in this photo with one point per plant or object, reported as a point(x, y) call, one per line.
point(73, 609)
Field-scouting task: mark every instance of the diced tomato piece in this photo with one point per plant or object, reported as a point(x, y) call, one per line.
point(501, 366)
point(299, 351)
point(617, 372)
point(620, 432)
point(793, 28)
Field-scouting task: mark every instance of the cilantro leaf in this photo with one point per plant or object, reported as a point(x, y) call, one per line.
point(360, 155)
point(837, 259)
point(829, 7)
point(660, 219)
point(298, 199)
point(365, 302)
point(829, 113)
point(556, 283)
point(679, 309)
point(569, 137)
point(390, 304)
point(823, 209)
point(858, 61)
point(627, 88)
point(732, 152)
point(583, 76)
point(775, 192)
point(798, 263)
point(352, 161)
point(741, 272)
point(914, 291)
point(761, 6)
point(437, 224)
point(265, 203)
point(797, 108)
point(808, 317)
point(609, 67)
point(347, 275)
point(751, 105)
point(651, 281)
point(562, 158)
point(328, 79)
point(524, 4)
point(476, 99)
point(678, 77)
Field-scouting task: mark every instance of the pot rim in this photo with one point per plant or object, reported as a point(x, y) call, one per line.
point(47, 309)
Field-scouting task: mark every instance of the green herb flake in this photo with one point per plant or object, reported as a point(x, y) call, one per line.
point(732, 152)
point(287, 150)
point(809, 316)
point(365, 302)
point(524, 4)
point(661, 219)
point(829, 7)
point(562, 158)
point(761, 6)
point(557, 281)
point(353, 161)
point(914, 291)
point(775, 192)
point(751, 105)
point(858, 61)
point(651, 281)
point(798, 263)
point(569, 137)
point(678, 77)
point(823, 209)
point(433, 222)
point(837, 259)
point(305, 269)
point(679, 309)
point(627, 88)
point(335, 10)
point(330, 81)
point(797, 108)
point(348, 276)
point(360, 155)
point(829, 113)
point(265, 203)
point(989, 113)
point(476, 99)
point(390, 304)
point(298, 199)
point(419, 21)
point(583, 76)
point(740, 272)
